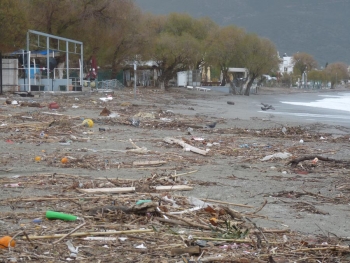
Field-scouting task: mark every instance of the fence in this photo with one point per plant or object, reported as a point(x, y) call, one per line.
point(110, 84)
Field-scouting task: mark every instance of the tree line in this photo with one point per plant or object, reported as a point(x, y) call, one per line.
point(116, 31)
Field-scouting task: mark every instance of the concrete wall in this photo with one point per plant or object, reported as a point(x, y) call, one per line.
point(9, 75)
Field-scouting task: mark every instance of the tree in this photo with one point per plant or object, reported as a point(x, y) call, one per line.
point(318, 77)
point(337, 71)
point(13, 24)
point(178, 45)
point(259, 56)
point(222, 51)
point(174, 54)
point(110, 29)
point(303, 62)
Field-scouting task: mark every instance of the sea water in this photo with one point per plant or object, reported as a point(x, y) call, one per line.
point(333, 102)
point(329, 108)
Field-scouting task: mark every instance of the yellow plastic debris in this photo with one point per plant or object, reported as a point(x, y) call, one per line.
point(88, 123)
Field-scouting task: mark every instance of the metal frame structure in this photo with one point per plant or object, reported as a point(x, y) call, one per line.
point(78, 48)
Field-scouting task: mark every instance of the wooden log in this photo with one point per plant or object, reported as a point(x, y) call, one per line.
point(115, 190)
point(173, 187)
point(144, 163)
point(185, 145)
point(295, 162)
point(91, 233)
point(189, 250)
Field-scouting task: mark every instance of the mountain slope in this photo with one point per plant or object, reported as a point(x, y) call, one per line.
point(317, 27)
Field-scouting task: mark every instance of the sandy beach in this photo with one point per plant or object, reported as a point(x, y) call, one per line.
point(309, 198)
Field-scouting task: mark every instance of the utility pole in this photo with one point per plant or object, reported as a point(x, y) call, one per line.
point(305, 78)
point(336, 79)
point(135, 68)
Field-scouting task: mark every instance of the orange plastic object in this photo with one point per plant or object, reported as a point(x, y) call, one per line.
point(5, 242)
point(64, 160)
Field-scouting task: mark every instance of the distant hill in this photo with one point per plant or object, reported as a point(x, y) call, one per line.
point(317, 27)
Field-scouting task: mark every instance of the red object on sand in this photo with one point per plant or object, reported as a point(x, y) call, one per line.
point(53, 106)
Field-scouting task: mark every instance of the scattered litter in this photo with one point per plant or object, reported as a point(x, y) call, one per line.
point(12, 185)
point(62, 216)
point(53, 106)
point(74, 250)
point(142, 246)
point(88, 123)
point(108, 98)
point(6, 242)
point(279, 155)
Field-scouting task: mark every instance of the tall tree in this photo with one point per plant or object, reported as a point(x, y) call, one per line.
point(13, 24)
point(336, 72)
point(178, 45)
point(303, 62)
point(222, 50)
point(259, 56)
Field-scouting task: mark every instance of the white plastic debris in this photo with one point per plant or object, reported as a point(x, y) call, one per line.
point(301, 141)
point(279, 155)
point(114, 115)
point(166, 119)
point(198, 139)
point(186, 211)
point(142, 246)
point(197, 202)
point(170, 200)
point(284, 130)
point(74, 250)
point(108, 98)
point(122, 238)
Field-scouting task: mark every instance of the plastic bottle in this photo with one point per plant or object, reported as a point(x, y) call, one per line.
point(58, 215)
point(5, 242)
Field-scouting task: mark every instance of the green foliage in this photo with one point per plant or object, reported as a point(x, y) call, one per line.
point(335, 72)
point(303, 62)
point(230, 231)
point(178, 44)
point(13, 24)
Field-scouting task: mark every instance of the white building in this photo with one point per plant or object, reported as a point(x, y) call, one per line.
point(286, 65)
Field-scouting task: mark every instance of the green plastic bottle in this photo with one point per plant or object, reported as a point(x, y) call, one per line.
point(58, 215)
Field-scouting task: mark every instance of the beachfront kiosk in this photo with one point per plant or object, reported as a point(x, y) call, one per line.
point(50, 63)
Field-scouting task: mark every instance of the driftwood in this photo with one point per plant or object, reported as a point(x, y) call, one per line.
point(144, 208)
point(144, 163)
point(184, 145)
point(92, 233)
point(115, 190)
point(189, 250)
point(295, 162)
point(173, 187)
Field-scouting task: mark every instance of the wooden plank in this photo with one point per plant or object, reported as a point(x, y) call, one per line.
point(114, 190)
point(145, 163)
point(189, 250)
point(185, 145)
point(173, 187)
